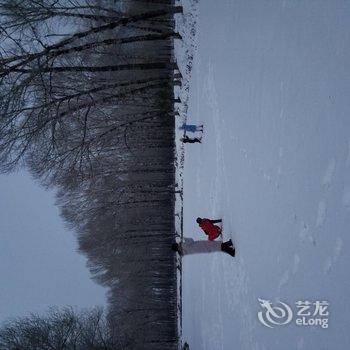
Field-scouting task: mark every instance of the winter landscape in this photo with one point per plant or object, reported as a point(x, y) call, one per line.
point(94, 96)
point(271, 83)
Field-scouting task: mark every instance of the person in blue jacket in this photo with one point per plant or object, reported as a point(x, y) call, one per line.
point(191, 127)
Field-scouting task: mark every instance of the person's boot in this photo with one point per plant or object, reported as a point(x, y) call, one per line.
point(227, 249)
point(227, 243)
point(231, 251)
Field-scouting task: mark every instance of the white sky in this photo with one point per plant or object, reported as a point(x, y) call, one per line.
point(39, 265)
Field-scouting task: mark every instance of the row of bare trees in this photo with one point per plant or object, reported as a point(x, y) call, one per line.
point(86, 104)
point(58, 89)
point(64, 329)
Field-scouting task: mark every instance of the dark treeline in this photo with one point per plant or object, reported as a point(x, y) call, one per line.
point(61, 329)
point(87, 105)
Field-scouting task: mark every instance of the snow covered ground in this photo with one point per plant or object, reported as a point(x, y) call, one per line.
point(271, 84)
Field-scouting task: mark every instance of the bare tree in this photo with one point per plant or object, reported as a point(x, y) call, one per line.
point(52, 87)
point(64, 329)
point(90, 110)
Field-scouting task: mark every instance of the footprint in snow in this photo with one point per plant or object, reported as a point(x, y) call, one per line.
point(296, 262)
point(330, 261)
point(286, 274)
point(305, 234)
point(329, 174)
point(284, 279)
point(321, 213)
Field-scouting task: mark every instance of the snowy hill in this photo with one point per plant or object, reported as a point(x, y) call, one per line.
point(270, 82)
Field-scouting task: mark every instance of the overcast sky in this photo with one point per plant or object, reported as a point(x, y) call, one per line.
point(39, 265)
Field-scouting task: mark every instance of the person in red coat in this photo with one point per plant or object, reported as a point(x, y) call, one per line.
point(211, 230)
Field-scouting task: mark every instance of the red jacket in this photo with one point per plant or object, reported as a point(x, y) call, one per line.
point(210, 229)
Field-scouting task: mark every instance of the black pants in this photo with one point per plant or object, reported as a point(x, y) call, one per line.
point(191, 140)
point(215, 221)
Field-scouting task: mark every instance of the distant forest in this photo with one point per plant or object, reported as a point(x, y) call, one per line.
point(87, 106)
